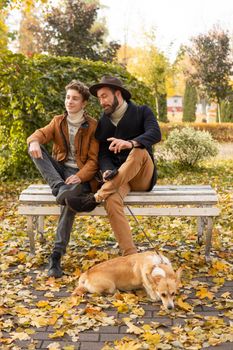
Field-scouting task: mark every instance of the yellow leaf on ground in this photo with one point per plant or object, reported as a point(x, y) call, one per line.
point(54, 346)
point(20, 335)
point(186, 255)
point(21, 310)
point(92, 253)
point(184, 305)
point(151, 338)
point(133, 329)
point(77, 272)
point(204, 293)
point(53, 319)
point(219, 280)
point(130, 345)
point(121, 307)
point(220, 266)
point(39, 321)
point(42, 303)
point(226, 295)
point(139, 311)
point(59, 333)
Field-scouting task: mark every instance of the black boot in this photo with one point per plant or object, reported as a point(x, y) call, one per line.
point(68, 191)
point(55, 265)
point(84, 203)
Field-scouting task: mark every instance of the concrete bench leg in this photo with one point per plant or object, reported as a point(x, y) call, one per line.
point(40, 228)
point(200, 228)
point(208, 238)
point(31, 234)
point(201, 223)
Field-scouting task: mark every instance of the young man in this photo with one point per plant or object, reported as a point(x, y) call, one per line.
point(73, 164)
point(126, 133)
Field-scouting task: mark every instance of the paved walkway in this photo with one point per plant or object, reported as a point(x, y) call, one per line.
point(95, 340)
point(225, 151)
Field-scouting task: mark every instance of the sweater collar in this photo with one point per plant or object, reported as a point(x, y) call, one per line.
point(117, 115)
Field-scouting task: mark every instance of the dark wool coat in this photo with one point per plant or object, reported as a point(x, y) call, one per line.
point(139, 124)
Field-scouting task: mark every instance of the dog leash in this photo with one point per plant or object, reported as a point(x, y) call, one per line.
point(140, 226)
point(110, 177)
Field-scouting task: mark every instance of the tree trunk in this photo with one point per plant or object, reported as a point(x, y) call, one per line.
point(219, 111)
point(157, 106)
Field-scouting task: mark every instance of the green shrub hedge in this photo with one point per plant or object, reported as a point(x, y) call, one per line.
point(222, 132)
point(32, 92)
point(189, 146)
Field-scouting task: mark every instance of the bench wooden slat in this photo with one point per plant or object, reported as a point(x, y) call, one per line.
point(137, 199)
point(131, 194)
point(100, 211)
point(39, 186)
point(42, 188)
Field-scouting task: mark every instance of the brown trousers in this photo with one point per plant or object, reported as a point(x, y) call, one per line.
point(134, 175)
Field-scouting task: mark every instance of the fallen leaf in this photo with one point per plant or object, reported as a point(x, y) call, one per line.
point(133, 329)
point(204, 293)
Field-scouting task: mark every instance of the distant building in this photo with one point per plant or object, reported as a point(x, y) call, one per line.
point(204, 111)
point(174, 104)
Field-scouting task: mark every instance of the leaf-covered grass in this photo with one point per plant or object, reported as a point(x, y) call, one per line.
point(29, 300)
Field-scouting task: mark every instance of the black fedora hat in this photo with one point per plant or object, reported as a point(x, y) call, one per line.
point(111, 82)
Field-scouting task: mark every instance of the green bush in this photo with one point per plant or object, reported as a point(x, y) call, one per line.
point(32, 92)
point(227, 110)
point(189, 146)
point(221, 132)
point(162, 107)
point(190, 102)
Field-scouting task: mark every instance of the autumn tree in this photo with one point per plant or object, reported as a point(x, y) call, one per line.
point(151, 66)
point(210, 56)
point(3, 33)
point(4, 30)
point(6, 6)
point(29, 36)
point(72, 30)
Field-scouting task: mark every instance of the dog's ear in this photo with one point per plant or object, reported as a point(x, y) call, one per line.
point(157, 273)
point(149, 277)
point(178, 275)
point(156, 278)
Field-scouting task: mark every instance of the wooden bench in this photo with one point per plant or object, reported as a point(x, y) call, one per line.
point(199, 201)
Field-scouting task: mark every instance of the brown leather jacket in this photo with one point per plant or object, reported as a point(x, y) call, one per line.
point(86, 145)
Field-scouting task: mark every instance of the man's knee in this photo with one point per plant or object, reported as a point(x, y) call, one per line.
point(113, 202)
point(140, 155)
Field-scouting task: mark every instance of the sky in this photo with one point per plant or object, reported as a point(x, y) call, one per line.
point(175, 21)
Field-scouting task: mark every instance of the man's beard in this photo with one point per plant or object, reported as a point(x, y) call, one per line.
point(111, 109)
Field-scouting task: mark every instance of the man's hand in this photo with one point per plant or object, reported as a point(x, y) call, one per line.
point(73, 179)
point(105, 174)
point(109, 174)
point(35, 150)
point(118, 145)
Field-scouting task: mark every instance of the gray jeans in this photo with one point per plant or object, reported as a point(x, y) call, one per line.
point(54, 173)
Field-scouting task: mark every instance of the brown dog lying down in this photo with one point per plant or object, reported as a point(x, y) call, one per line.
point(150, 270)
